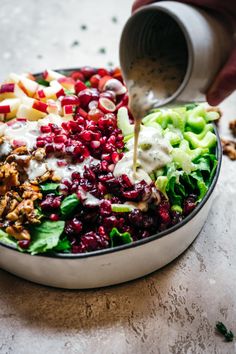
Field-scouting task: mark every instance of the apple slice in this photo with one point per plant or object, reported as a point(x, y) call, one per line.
point(11, 90)
point(28, 86)
point(50, 75)
point(8, 107)
point(67, 110)
point(67, 82)
point(29, 113)
point(36, 104)
point(51, 92)
point(52, 107)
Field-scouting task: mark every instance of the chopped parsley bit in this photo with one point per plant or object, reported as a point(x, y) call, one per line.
point(102, 50)
point(220, 327)
point(75, 44)
point(114, 19)
point(39, 56)
point(110, 63)
point(83, 27)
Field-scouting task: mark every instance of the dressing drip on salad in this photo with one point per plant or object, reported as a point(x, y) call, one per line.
point(150, 82)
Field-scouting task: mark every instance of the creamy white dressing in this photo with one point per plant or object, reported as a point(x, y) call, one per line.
point(38, 168)
point(27, 131)
point(152, 154)
point(5, 148)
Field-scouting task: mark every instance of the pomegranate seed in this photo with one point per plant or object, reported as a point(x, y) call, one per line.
point(106, 105)
point(49, 148)
point(54, 217)
point(103, 72)
point(77, 75)
point(94, 80)
point(79, 86)
point(80, 120)
point(86, 135)
point(75, 175)
point(24, 244)
point(58, 139)
point(115, 157)
point(45, 129)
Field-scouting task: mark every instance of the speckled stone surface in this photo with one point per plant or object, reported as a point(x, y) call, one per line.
point(174, 310)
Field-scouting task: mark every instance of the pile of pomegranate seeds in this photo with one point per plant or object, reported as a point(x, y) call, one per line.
point(93, 133)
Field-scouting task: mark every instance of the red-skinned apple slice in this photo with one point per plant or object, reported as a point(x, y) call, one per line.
point(67, 110)
point(106, 105)
point(28, 86)
point(50, 75)
point(67, 82)
point(9, 106)
point(11, 90)
point(29, 113)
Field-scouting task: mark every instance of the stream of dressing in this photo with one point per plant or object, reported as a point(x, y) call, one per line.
point(150, 82)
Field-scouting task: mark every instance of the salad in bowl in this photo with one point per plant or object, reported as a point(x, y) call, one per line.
point(66, 146)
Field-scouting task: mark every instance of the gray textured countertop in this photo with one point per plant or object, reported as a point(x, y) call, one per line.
point(173, 310)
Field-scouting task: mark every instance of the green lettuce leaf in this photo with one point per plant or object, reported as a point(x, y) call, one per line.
point(118, 238)
point(62, 246)
point(45, 236)
point(7, 239)
point(69, 204)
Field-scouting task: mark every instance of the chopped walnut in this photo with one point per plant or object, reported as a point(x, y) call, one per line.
point(23, 212)
point(232, 126)
point(18, 233)
point(31, 191)
point(47, 175)
point(21, 150)
point(56, 178)
point(229, 148)
point(9, 177)
point(39, 154)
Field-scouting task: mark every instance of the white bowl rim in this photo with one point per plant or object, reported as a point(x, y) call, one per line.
point(145, 240)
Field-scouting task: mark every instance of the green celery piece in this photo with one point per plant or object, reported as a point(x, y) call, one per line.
point(150, 118)
point(197, 119)
point(161, 184)
point(69, 204)
point(177, 208)
point(45, 236)
point(122, 208)
point(183, 160)
point(128, 137)
point(118, 238)
point(145, 146)
point(209, 140)
point(156, 126)
point(194, 153)
point(191, 106)
point(49, 187)
point(123, 121)
point(173, 137)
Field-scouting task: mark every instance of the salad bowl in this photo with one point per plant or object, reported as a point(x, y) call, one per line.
point(114, 265)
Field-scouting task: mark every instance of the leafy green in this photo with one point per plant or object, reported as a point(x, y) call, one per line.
point(49, 187)
point(7, 239)
point(69, 204)
point(161, 184)
point(42, 82)
point(190, 106)
point(63, 245)
point(222, 329)
point(45, 237)
point(118, 238)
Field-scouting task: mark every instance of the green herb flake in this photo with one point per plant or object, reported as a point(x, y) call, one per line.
point(102, 50)
point(42, 82)
point(83, 27)
point(118, 238)
point(221, 328)
point(69, 204)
